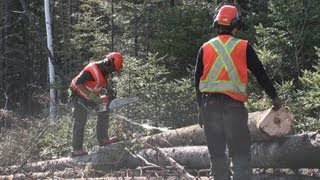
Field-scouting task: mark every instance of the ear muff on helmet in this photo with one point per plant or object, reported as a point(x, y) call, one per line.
point(236, 22)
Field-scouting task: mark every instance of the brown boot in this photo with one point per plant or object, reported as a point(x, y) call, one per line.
point(107, 141)
point(78, 152)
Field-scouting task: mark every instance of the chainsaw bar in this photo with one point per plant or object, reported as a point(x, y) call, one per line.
point(116, 103)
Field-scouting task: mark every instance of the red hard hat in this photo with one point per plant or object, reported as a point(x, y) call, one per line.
point(227, 16)
point(117, 60)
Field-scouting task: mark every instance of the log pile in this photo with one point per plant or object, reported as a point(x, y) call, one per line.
point(186, 148)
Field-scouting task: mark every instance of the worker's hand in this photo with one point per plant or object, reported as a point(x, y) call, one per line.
point(200, 118)
point(105, 99)
point(276, 103)
point(93, 97)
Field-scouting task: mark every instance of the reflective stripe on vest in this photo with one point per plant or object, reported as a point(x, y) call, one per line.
point(224, 60)
point(93, 86)
point(96, 75)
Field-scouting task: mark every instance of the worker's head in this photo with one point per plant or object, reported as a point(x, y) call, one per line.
point(227, 18)
point(113, 62)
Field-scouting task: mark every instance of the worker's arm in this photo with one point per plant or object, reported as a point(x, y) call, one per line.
point(197, 75)
point(257, 69)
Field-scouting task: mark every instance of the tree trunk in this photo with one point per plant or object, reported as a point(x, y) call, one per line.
point(297, 151)
point(113, 156)
point(270, 124)
point(263, 125)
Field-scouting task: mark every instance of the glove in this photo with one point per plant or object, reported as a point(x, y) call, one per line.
point(93, 97)
point(105, 99)
point(200, 118)
point(276, 103)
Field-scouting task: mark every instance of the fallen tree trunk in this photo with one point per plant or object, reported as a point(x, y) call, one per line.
point(114, 156)
point(263, 125)
point(297, 151)
point(270, 124)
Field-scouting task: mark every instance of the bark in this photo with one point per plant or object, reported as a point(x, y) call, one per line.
point(114, 156)
point(181, 170)
point(263, 125)
point(296, 151)
point(72, 176)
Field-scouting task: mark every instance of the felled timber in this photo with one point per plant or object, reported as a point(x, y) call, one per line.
point(114, 156)
point(296, 151)
point(263, 125)
point(270, 124)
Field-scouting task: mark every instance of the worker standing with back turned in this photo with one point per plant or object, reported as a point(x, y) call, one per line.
point(89, 89)
point(221, 80)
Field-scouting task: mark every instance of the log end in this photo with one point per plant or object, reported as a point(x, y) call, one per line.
point(276, 123)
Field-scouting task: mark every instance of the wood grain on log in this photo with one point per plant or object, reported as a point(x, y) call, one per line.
point(270, 124)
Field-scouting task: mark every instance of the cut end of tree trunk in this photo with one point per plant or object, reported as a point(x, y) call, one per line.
point(276, 123)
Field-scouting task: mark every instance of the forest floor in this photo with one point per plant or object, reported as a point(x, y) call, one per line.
point(141, 173)
point(165, 174)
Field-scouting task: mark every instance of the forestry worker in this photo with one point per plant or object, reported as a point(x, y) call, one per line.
point(221, 80)
point(86, 91)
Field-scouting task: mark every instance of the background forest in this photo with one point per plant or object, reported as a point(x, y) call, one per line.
point(160, 40)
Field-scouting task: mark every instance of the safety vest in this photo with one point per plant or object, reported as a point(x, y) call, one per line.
point(93, 86)
point(225, 67)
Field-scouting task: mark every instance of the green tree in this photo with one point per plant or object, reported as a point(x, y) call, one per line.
point(309, 98)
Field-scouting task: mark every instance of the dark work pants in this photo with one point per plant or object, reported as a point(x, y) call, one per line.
point(225, 124)
point(80, 119)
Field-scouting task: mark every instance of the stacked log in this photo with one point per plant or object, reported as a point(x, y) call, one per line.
point(272, 148)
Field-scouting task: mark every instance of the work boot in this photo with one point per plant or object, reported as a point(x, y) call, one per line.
point(107, 141)
point(78, 152)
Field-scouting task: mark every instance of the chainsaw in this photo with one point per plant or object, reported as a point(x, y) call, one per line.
point(115, 103)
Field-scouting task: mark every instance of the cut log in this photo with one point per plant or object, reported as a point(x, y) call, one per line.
point(113, 156)
point(263, 125)
point(297, 151)
point(270, 124)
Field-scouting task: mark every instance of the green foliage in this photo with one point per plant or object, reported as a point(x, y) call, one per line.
point(309, 98)
point(179, 33)
point(283, 33)
point(56, 140)
point(162, 102)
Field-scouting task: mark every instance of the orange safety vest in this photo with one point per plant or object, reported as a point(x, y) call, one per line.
point(93, 86)
point(225, 67)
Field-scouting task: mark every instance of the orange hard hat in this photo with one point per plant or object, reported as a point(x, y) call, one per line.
point(227, 16)
point(117, 60)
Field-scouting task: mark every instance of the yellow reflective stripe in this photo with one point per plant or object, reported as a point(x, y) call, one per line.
point(231, 44)
point(211, 84)
point(225, 55)
point(223, 86)
point(215, 69)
